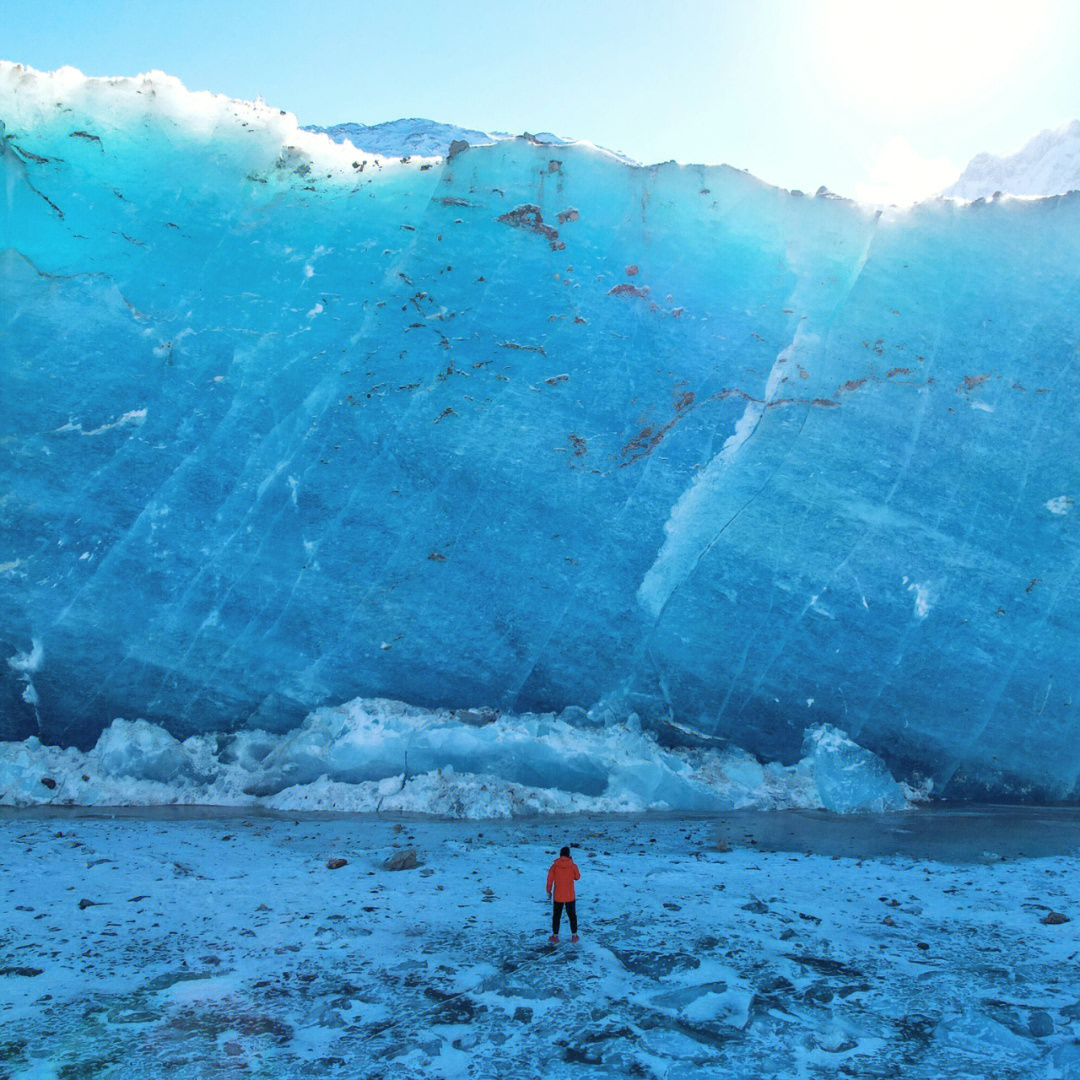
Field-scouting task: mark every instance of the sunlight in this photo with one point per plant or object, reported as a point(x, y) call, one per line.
point(900, 175)
point(902, 60)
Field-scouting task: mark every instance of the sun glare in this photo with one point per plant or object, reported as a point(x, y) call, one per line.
point(900, 60)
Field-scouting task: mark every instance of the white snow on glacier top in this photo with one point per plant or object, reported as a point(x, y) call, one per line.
point(1048, 164)
point(416, 137)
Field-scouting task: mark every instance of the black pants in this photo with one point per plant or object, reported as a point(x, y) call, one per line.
point(571, 913)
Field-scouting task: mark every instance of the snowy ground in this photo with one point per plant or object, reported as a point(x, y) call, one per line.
point(220, 944)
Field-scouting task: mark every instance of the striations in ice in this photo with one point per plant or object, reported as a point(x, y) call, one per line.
point(282, 427)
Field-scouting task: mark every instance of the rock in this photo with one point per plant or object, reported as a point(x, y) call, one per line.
point(1040, 1025)
point(49, 782)
point(787, 934)
point(457, 146)
point(336, 864)
point(457, 1010)
point(523, 1014)
point(1054, 918)
point(922, 945)
point(889, 921)
point(26, 972)
point(655, 965)
point(403, 860)
point(756, 907)
point(825, 965)
point(84, 904)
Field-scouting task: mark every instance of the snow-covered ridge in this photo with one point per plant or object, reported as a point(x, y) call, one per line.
point(374, 754)
point(69, 105)
point(417, 137)
point(1047, 164)
point(401, 138)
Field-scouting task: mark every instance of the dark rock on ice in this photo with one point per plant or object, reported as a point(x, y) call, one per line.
point(825, 965)
point(655, 965)
point(1040, 1025)
point(403, 860)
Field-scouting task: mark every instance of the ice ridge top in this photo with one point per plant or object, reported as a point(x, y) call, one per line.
point(284, 424)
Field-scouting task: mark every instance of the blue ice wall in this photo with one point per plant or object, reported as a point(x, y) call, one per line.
point(282, 424)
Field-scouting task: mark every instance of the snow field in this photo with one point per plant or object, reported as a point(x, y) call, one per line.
point(224, 944)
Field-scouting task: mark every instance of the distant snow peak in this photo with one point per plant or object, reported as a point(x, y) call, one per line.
point(1048, 164)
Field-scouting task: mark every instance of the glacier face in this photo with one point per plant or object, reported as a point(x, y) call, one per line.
point(285, 424)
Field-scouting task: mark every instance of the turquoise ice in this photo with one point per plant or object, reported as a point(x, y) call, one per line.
point(282, 424)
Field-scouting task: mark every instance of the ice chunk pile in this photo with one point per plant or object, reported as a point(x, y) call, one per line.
point(285, 423)
point(375, 754)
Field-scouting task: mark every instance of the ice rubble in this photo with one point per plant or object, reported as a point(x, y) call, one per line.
point(370, 755)
point(285, 423)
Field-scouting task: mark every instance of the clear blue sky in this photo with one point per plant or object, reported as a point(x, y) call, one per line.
point(801, 94)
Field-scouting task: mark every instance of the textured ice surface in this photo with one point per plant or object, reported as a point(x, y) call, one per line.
point(224, 946)
point(382, 755)
point(283, 426)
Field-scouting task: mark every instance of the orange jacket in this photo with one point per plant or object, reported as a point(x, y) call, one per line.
point(562, 875)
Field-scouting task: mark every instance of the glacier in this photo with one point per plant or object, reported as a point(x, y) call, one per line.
point(532, 429)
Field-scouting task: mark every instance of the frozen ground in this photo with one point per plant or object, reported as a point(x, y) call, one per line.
point(220, 944)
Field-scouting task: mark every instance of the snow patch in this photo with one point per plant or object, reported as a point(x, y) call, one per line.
point(1047, 164)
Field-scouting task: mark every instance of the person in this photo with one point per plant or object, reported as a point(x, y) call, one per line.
point(561, 878)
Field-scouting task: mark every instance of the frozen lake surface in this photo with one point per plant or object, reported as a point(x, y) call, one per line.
point(220, 943)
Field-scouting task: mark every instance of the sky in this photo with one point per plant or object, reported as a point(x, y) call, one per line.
point(877, 100)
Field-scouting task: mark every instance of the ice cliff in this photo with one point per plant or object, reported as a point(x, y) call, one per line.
point(283, 423)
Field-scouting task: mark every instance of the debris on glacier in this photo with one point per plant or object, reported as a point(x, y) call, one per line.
point(287, 423)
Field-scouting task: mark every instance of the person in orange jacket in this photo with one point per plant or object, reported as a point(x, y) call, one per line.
point(561, 877)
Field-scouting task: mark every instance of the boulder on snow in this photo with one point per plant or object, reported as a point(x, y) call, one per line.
point(408, 859)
